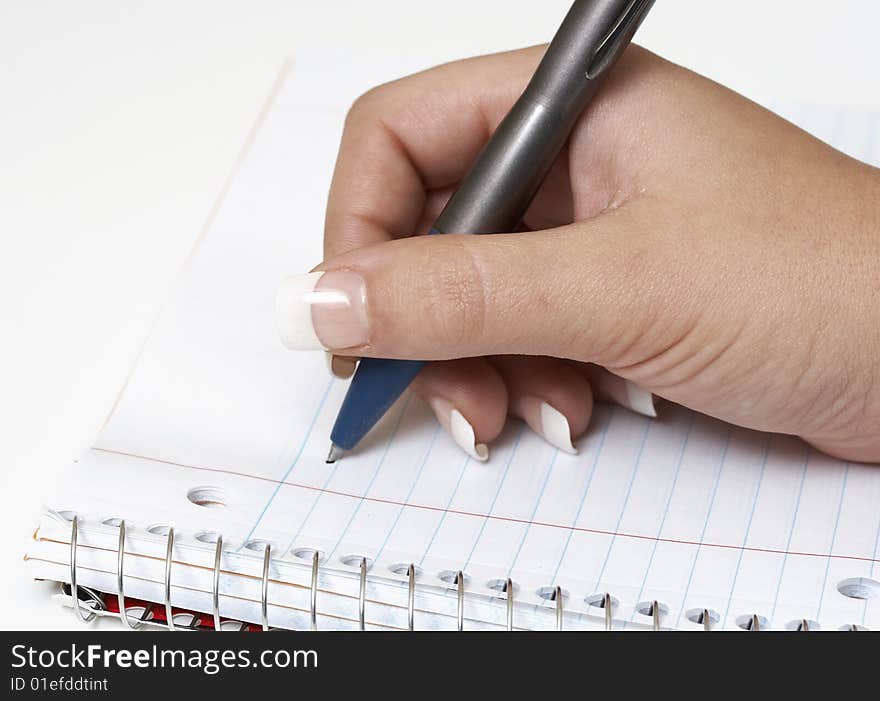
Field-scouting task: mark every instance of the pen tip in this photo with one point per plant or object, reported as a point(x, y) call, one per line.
point(335, 453)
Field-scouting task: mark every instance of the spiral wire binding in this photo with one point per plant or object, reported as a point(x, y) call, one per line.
point(74, 590)
point(120, 574)
point(508, 586)
point(313, 612)
point(169, 551)
point(264, 595)
point(215, 591)
point(362, 595)
point(459, 580)
point(608, 605)
point(560, 614)
point(88, 613)
point(411, 597)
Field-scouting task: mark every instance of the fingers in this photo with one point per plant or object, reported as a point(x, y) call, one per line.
point(415, 135)
point(473, 396)
point(587, 292)
point(552, 397)
point(341, 366)
point(469, 399)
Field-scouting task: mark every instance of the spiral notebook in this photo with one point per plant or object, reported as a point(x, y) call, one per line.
point(206, 500)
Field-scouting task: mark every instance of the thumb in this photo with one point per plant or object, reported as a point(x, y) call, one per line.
point(570, 292)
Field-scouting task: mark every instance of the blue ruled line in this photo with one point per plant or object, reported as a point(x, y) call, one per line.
point(833, 540)
point(718, 473)
point(293, 464)
point(376, 472)
point(583, 500)
point(632, 479)
point(748, 529)
point(534, 510)
point(684, 445)
point(412, 488)
point(495, 498)
point(873, 564)
point(427, 549)
point(791, 530)
point(321, 494)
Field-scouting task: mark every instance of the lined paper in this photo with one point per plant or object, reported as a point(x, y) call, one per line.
point(684, 510)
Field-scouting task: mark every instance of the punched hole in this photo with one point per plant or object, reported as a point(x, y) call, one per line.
point(307, 554)
point(207, 497)
point(859, 588)
point(112, 522)
point(136, 612)
point(355, 561)
point(698, 616)
point(159, 529)
point(598, 601)
point(450, 577)
point(852, 627)
point(402, 568)
point(747, 622)
point(802, 624)
point(66, 515)
point(548, 593)
point(646, 608)
point(210, 537)
point(184, 620)
point(257, 545)
point(499, 586)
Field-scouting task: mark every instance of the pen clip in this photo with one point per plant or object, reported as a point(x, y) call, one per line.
point(618, 36)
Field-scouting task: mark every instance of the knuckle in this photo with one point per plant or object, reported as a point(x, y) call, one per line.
point(368, 104)
point(457, 317)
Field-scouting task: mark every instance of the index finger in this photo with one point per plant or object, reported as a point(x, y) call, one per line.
point(408, 138)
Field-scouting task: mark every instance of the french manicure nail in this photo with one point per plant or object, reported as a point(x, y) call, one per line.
point(640, 400)
point(322, 310)
point(340, 366)
point(548, 422)
point(459, 428)
point(628, 394)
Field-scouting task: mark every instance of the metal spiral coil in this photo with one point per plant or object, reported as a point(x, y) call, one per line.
point(96, 606)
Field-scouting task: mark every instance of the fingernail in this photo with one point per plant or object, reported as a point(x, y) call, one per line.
point(548, 422)
point(640, 400)
point(459, 428)
point(340, 366)
point(322, 310)
point(628, 394)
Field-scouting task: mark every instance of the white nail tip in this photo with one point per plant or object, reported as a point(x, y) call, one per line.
point(293, 314)
point(555, 429)
point(463, 434)
point(641, 401)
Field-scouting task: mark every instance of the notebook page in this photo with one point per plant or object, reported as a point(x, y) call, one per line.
point(684, 510)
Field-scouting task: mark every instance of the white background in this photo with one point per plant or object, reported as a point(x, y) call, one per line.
point(119, 122)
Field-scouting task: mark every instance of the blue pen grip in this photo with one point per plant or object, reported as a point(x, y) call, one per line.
point(374, 388)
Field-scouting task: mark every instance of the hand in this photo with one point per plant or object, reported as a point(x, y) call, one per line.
point(687, 241)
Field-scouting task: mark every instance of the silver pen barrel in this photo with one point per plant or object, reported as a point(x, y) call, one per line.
point(496, 192)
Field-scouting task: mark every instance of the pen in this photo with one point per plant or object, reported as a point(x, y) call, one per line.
point(497, 190)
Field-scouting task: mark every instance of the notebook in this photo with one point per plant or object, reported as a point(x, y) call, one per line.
point(206, 500)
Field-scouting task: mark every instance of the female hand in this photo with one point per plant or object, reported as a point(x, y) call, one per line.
point(687, 241)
